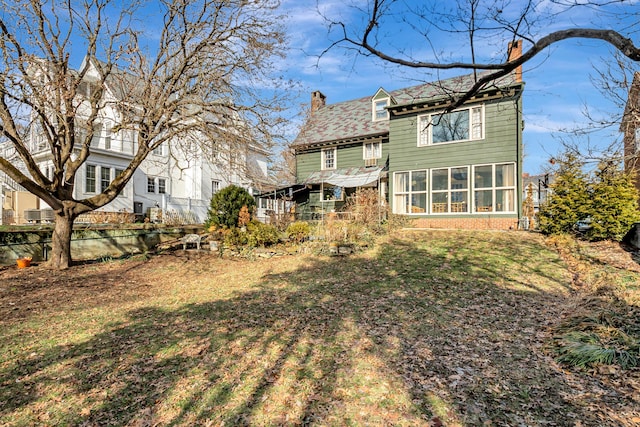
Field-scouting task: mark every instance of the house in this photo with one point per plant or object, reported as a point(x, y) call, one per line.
point(176, 180)
point(630, 128)
point(459, 168)
point(539, 186)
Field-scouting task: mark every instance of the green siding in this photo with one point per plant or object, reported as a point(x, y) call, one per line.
point(381, 94)
point(347, 156)
point(502, 144)
point(499, 144)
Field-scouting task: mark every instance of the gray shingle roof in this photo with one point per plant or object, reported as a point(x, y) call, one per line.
point(353, 119)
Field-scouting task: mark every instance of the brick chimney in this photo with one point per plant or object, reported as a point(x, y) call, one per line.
point(318, 100)
point(515, 51)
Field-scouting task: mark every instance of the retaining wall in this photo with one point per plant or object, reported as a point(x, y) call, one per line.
point(89, 243)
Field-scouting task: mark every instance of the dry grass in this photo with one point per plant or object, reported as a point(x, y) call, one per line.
point(428, 328)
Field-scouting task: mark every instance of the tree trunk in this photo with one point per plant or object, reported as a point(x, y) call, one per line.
point(61, 241)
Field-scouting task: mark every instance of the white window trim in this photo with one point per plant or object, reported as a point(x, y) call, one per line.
point(95, 178)
point(323, 160)
point(470, 190)
point(411, 192)
point(636, 140)
point(110, 177)
point(155, 185)
point(424, 124)
point(494, 188)
point(160, 150)
point(449, 191)
point(377, 155)
point(374, 115)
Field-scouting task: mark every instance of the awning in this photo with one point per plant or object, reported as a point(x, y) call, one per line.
point(350, 177)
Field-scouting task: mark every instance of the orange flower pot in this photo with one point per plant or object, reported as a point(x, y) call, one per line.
point(23, 262)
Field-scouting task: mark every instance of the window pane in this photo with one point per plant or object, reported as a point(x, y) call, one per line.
point(97, 130)
point(401, 203)
point(476, 123)
point(105, 178)
point(484, 201)
point(459, 201)
point(401, 183)
point(423, 130)
point(162, 186)
point(440, 179)
point(452, 126)
point(90, 180)
point(331, 192)
point(381, 113)
point(439, 203)
point(419, 181)
point(107, 138)
point(459, 178)
point(505, 201)
point(505, 175)
point(483, 177)
point(328, 158)
point(151, 185)
point(419, 203)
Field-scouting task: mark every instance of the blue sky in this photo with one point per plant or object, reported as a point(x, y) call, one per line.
point(558, 82)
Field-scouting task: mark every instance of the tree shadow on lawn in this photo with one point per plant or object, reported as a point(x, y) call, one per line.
point(304, 349)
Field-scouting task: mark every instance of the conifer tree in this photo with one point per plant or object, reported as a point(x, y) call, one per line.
point(614, 203)
point(568, 202)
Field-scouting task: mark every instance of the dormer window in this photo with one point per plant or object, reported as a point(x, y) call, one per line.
point(380, 109)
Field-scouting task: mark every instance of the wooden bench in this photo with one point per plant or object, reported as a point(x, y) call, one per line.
point(191, 238)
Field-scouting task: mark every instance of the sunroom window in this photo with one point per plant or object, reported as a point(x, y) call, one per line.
point(456, 126)
point(450, 190)
point(494, 188)
point(410, 192)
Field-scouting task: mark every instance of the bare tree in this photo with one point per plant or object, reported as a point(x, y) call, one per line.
point(177, 72)
point(500, 22)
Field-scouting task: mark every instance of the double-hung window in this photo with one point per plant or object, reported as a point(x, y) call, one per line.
point(97, 134)
point(456, 126)
point(151, 185)
point(410, 192)
point(162, 186)
point(90, 179)
point(380, 110)
point(116, 174)
point(107, 138)
point(159, 150)
point(372, 150)
point(450, 190)
point(494, 188)
point(329, 158)
point(105, 178)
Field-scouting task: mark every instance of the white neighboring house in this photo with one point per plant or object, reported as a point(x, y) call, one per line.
point(177, 181)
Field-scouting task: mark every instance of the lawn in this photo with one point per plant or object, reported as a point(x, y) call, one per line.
point(426, 328)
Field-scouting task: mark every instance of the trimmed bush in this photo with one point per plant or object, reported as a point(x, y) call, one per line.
point(259, 234)
point(298, 231)
point(225, 206)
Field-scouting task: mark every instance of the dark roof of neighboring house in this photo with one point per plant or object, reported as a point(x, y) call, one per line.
point(353, 119)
